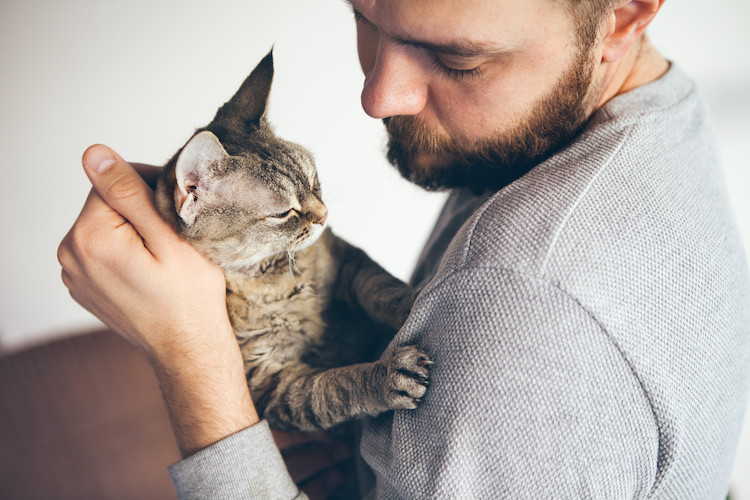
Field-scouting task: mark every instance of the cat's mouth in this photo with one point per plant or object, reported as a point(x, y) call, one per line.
point(307, 237)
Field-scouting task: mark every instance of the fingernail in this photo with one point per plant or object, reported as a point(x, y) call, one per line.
point(99, 159)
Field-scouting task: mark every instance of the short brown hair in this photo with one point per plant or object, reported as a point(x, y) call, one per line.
point(587, 17)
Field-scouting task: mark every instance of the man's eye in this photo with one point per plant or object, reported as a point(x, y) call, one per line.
point(456, 74)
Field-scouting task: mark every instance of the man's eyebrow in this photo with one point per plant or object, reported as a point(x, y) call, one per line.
point(461, 48)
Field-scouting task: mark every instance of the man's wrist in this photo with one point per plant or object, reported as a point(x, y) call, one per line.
point(205, 390)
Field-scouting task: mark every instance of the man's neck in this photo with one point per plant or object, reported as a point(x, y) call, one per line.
point(642, 65)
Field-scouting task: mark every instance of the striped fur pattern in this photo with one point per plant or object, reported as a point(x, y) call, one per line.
point(310, 311)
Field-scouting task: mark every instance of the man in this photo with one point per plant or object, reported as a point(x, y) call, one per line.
point(585, 292)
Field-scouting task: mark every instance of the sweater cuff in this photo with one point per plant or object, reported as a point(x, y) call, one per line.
point(244, 465)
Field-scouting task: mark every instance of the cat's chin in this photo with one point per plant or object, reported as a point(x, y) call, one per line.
point(242, 263)
point(315, 232)
point(233, 257)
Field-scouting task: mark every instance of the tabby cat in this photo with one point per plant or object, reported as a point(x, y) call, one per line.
point(309, 310)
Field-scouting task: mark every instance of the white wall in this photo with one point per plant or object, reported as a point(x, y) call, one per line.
point(141, 75)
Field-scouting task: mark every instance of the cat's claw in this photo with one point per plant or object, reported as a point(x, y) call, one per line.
point(407, 377)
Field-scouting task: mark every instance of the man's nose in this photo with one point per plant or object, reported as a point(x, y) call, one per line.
point(395, 84)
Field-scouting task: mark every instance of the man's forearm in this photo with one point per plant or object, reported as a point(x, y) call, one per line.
point(205, 392)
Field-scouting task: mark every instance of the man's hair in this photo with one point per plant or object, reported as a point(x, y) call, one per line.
point(587, 17)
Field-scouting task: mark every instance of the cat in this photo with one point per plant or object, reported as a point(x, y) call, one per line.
point(309, 310)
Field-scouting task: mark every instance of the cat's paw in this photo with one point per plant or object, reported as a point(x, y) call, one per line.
point(407, 377)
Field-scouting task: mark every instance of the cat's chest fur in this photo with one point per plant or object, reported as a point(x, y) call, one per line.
point(277, 311)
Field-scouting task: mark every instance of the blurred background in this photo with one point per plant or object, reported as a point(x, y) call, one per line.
point(140, 76)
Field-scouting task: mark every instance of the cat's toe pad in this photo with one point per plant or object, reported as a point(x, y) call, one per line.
point(408, 377)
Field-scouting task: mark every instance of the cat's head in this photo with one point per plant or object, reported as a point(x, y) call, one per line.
point(237, 192)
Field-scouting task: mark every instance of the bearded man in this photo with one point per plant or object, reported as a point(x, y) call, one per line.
point(585, 294)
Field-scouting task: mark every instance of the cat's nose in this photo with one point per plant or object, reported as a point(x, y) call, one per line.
point(321, 217)
point(318, 216)
point(315, 211)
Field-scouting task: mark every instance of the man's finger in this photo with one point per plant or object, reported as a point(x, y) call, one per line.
point(98, 228)
point(123, 189)
point(149, 173)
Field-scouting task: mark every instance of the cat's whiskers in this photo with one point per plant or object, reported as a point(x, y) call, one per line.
point(293, 263)
point(293, 268)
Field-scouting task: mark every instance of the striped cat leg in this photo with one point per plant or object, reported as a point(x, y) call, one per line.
point(312, 398)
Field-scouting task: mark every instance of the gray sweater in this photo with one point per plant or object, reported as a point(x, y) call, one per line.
point(590, 325)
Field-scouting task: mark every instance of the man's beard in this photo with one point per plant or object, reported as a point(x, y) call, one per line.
point(436, 162)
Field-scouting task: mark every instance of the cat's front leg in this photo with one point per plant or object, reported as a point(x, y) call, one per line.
point(364, 283)
point(310, 398)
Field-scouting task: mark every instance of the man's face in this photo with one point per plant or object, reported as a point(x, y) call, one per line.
point(473, 93)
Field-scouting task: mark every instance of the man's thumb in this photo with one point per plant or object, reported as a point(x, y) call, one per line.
point(123, 189)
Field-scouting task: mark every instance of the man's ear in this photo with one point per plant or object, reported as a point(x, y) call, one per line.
point(629, 20)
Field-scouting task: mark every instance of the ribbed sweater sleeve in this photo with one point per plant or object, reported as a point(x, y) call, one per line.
point(245, 465)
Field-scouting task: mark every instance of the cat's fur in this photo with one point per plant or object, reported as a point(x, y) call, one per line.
point(308, 309)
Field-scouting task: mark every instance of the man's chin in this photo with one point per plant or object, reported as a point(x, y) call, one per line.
point(441, 171)
point(431, 161)
point(431, 171)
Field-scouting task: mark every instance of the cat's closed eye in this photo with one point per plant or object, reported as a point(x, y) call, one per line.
point(284, 215)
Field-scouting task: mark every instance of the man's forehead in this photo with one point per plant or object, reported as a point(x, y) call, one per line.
point(456, 10)
point(464, 28)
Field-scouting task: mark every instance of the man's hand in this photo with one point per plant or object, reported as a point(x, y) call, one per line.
point(126, 265)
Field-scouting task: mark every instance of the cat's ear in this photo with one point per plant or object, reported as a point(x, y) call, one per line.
point(200, 154)
point(245, 110)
